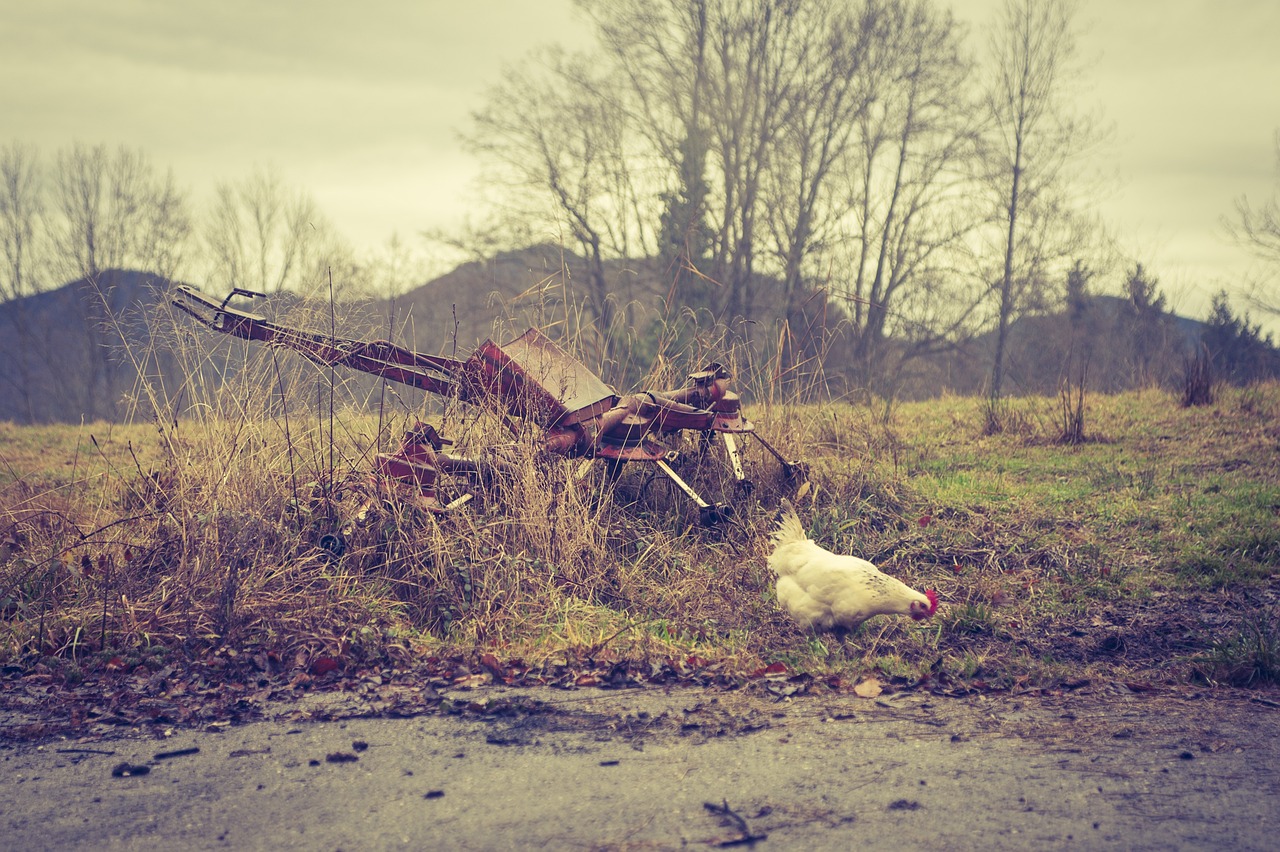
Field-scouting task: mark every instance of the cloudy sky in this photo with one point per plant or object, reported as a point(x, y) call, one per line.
point(359, 103)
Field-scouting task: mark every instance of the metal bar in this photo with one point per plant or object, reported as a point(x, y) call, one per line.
point(735, 458)
point(777, 455)
point(381, 358)
point(681, 484)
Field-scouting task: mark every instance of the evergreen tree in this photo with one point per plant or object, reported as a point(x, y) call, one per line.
point(1145, 326)
point(1239, 352)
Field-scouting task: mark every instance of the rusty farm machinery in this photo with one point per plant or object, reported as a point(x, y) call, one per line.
point(529, 380)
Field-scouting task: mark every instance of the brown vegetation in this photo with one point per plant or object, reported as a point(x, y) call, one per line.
point(1147, 554)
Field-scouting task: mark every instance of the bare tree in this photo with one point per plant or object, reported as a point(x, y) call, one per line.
point(755, 108)
point(394, 268)
point(1258, 230)
point(757, 54)
point(791, 145)
point(114, 211)
point(1031, 137)
point(833, 88)
point(113, 215)
point(712, 84)
point(908, 208)
point(21, 233)
point(661, 50)
point(553, 134)
point(21, 211)
point(260, 235)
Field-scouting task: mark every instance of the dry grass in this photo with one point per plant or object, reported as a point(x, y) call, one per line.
point(1133, 555)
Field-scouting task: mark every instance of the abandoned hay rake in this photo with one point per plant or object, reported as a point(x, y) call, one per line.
point(529, 379)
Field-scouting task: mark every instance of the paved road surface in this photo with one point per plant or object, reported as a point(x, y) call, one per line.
point(654, 769)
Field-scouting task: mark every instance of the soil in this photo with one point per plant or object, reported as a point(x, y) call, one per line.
point(1103, 766)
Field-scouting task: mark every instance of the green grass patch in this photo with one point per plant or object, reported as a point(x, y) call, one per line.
point(1249, 656)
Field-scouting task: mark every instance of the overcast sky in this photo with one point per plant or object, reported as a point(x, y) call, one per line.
point(359, 103)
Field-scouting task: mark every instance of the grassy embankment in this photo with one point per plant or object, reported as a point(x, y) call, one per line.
point(1150, 552)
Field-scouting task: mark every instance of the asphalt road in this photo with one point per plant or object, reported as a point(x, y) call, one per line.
point(654, 769)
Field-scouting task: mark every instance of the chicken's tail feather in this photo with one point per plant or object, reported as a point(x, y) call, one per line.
point(789, 527)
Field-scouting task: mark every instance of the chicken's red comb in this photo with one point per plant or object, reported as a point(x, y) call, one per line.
point(933, 600)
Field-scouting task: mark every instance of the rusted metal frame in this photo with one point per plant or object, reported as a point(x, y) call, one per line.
point(380, 358)
point(592, 428)
point(420, 460)
point(537, 380)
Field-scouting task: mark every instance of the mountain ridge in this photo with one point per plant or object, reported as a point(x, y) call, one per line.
point(54, 369)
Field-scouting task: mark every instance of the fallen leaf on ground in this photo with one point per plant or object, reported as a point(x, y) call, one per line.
point(869, 688)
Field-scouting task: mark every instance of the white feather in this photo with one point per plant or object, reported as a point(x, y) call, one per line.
point(822, 590)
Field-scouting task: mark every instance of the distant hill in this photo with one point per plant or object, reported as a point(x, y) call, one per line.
point(76, 353)
point(546, 287)
point(1042, 349)
point(497, 298)
point(62, 358)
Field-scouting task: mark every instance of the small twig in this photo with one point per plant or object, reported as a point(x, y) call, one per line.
point(727, 815)
point(182, 752)
point(730, 819)
point(245, 752)
point(137, 464)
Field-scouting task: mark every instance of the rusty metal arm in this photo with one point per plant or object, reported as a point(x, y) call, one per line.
point(381, 358)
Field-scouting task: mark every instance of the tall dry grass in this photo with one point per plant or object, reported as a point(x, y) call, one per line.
point(246, 513)
point(235, 534)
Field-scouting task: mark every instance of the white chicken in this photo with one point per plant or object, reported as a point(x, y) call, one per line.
point(827, 591)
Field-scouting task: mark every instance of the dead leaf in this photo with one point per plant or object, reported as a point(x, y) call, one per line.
point(771, 670)
point(869, 688)
point(490, 663)
point(323, 666)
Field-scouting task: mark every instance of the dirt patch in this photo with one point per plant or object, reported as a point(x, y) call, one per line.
point(1165, 638)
